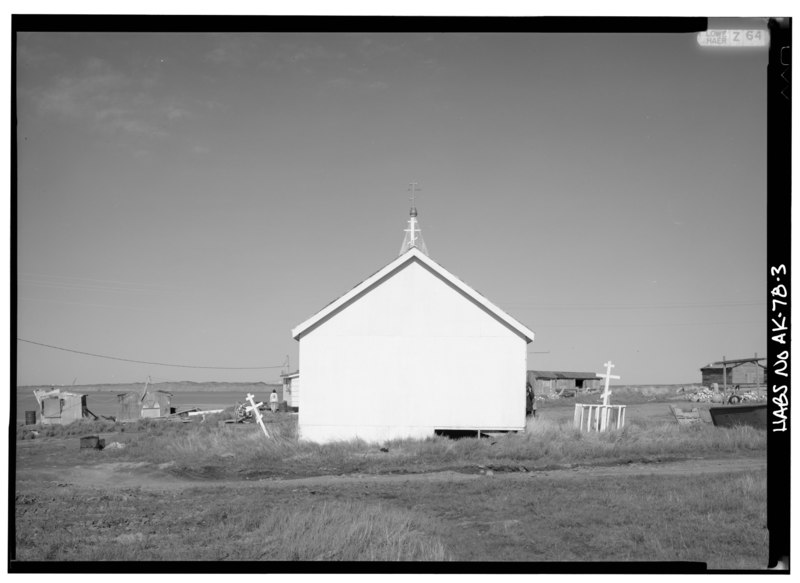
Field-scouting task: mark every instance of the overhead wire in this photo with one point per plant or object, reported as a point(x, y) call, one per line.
point(524, 306)
point(148, 362)
point(670, 324)
point(93, 285)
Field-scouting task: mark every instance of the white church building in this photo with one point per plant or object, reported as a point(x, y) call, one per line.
point(408, 351)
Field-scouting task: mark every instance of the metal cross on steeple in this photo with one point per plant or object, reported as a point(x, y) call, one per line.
point(413, 234)
point(413, 187)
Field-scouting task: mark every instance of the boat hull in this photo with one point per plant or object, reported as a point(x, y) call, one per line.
point(752, 415)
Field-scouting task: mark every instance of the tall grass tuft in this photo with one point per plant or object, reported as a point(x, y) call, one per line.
point(346, 531)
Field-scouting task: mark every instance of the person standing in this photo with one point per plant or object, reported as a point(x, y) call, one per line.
point(530, 401)
point(273, 401)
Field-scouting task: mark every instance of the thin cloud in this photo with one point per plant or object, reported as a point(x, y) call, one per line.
point(77, 95)
point(136, 127)
point(174, 112)
point(108, 101)
point(311, 58)
point(236, 51)
point(374, 47)
point(226, 55)
point(340, 82)
point(28, 56)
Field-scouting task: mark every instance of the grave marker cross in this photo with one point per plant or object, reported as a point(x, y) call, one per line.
point(254, 408)
point(608, 376)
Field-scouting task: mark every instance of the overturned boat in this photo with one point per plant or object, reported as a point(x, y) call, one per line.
point(733, 415)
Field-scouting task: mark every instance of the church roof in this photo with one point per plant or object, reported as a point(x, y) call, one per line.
point(413, 254)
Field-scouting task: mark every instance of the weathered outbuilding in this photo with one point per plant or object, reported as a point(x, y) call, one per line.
point(745, 372)
point(550, 383)
point(129, 407)
point(59, 407)
point(156, 404)
point(291, 389)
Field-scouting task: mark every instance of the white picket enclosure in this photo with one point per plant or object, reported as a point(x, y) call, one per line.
point(599, 417)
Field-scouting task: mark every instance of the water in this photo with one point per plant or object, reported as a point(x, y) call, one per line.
point(106, 403)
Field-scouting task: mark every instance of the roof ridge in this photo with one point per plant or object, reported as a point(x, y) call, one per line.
point(393, 266)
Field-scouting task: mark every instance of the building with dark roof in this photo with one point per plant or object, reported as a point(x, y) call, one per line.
point(548, 382)
point(745, 372)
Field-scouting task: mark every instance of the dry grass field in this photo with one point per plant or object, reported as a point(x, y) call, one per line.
point(654, 491)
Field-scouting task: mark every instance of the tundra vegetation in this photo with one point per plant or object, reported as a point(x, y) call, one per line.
point(545, 443)
point(525, 499)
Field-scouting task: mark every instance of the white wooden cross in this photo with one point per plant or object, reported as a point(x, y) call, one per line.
point(608, 376)
point(254, 408)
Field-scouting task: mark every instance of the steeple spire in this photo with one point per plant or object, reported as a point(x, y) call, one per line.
point(413, 236)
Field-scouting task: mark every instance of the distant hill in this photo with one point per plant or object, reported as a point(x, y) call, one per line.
point(172, 387)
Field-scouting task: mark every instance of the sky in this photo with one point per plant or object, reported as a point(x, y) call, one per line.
point(190, 198)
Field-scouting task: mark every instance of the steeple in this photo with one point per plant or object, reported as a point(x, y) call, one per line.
point(413, 236)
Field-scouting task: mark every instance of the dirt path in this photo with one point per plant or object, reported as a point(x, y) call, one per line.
point(158, 477)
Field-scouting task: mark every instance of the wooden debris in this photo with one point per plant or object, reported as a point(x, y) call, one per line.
point(92, 442)
point(204, 413)
point(684, 417)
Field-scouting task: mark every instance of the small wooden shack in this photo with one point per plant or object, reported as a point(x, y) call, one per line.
point(745, 372)
point(550, 383)
point(129, 407)
point(57, 407)
point(156, 404)
point(291, 389)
